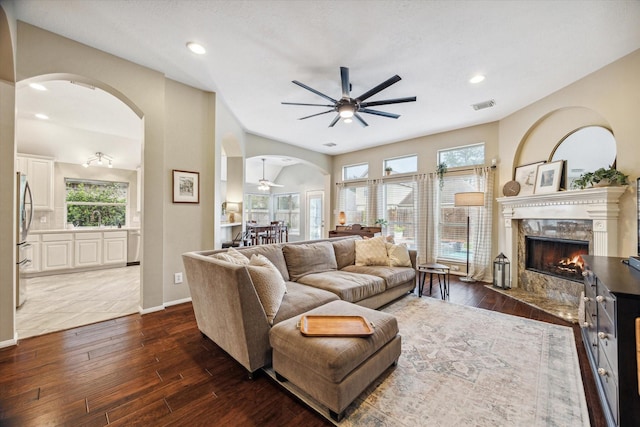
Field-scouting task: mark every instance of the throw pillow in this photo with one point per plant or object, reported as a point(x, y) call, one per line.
point(398, 255)
point(269, 284)
point(309, 258)
point(233, 256)
point(371, 252)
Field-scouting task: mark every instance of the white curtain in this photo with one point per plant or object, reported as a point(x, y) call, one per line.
point(481, 268)
point(375, 207)
point(428, 211)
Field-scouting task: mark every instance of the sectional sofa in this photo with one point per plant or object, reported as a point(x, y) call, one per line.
point(237, 296)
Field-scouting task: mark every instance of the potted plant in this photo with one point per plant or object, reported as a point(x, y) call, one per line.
point(398, 232)
point(381, 222)
point(388, 170)
point(440, 171)
point(600, 178)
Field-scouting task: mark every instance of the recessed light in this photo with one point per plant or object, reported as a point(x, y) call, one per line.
point(196, 48)
point(42, 116)
point(37, 86)
point(476, 79)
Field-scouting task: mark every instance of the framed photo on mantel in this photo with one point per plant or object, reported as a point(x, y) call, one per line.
point(526, 176)
point(186, 187)
point(548, 177)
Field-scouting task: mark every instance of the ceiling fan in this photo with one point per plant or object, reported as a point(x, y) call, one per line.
point(265, 184)
point(348, 107)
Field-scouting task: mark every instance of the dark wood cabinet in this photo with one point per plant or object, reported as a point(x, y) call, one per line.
point(612, 304)
point(355, 229)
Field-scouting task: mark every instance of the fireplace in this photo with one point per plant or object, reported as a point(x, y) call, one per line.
point(555, 257)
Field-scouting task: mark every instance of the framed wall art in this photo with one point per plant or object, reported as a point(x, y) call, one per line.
point(526, 176)
point(548, 177)
point(186, 187)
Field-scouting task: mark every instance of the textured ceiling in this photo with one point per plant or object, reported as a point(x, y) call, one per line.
point(526, 49)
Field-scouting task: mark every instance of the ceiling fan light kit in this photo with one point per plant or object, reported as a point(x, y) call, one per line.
point(347, 107)
point(265, 184)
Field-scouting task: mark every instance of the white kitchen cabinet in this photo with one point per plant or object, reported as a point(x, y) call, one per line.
point(57, 251)
point(114, 248)
point(32, 252)
point(87, 250)
point(39, 171)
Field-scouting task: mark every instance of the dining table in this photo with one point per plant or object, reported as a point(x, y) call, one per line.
point(257, 230)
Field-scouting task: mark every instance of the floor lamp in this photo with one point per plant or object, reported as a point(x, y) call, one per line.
point(468, 199)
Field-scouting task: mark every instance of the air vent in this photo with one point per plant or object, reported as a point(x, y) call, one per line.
point(483, 105)
point(330, 144)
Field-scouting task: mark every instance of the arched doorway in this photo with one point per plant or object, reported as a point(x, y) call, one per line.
point(78, 124)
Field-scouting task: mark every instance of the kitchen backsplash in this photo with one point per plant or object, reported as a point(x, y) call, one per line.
point(54, 220)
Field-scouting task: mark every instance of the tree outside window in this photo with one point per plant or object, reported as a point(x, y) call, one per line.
point(94, 203)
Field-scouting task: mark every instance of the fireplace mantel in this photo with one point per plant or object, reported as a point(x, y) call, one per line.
point(599, 204)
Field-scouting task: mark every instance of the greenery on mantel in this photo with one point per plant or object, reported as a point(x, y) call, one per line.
point(601, 177)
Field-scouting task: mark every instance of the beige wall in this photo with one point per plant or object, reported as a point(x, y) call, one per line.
point(607, 97)
point(7, 180)
point(189, 127)
point(179, 126)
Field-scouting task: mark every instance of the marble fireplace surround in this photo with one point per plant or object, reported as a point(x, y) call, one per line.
point(598, 205)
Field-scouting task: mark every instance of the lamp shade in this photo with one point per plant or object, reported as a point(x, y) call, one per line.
point(342, 218)
point(233, 207)
point(471, 198)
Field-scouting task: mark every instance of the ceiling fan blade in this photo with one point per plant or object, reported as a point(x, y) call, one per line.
point(273, 184)
point(310, 89)
point(382, 86)
point(344, 77)
point(309, 105)
point(360, 120)
point(317, 114)
point(334, 121)
point(379, 113)
point(388, 101)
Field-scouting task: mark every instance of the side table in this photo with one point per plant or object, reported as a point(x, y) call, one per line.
point(441, 271)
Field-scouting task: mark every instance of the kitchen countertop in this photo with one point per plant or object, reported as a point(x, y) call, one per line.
point(81, 230)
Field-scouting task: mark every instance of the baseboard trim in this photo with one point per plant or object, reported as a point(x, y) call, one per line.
point(144, 311)
point(176, 302)
point(10, 343)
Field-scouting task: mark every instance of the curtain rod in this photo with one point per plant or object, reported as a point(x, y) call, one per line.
point(409, 175)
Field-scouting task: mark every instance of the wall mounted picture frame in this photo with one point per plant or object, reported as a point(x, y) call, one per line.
point(548, 177)
point(186, 186)
point(526, 176)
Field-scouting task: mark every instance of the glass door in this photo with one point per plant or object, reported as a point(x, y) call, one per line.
point(315, 220)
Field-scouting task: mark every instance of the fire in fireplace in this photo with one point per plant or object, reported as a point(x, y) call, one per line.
point(556, 257)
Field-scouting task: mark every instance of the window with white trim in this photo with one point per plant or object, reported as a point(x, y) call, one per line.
point(287, 210)
point(257, 208)
point(359, 171)
point(89, 203)
point(399, 210)
point(405, 164)
point(468, 155)
point(353, 202)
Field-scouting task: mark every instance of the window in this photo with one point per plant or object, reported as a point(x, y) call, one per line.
point(400, 213)
point(354, 204)
point(355, 171)
point(256, 208)
point(453, 221)
point(288, 211)
point(94, 203)
point(406, 164)
point(468, 155)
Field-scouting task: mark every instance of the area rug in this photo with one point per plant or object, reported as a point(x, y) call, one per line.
point(463, 366)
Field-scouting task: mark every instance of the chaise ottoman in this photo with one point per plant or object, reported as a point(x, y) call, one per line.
point(335, 370)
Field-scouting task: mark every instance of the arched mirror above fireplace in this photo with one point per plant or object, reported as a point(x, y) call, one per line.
point(585, 150)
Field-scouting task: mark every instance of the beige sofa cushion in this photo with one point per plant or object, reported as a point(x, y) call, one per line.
point(309, 258)
point(393, 276)
point(345, 251)
point(301, 298)
point(273, 254)
point(371, 252)
point(268, 283)
point(398, 255)
point(348, 286)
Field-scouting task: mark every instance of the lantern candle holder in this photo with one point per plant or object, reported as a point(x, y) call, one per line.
point(502, 272)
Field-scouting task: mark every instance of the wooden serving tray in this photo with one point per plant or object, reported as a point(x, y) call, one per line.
point(335, 326)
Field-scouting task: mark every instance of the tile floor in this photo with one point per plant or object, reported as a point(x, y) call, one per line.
point(65, 301)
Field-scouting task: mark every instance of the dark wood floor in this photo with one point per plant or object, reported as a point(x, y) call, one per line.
point(158, 370)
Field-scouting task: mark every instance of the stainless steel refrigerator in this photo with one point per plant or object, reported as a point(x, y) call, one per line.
point(25, 216)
